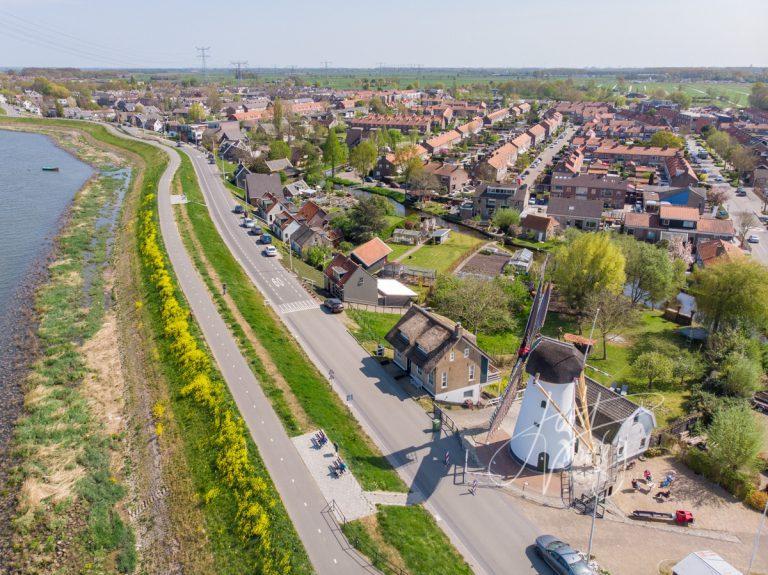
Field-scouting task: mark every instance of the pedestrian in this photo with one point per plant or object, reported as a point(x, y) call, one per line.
point(330, 374)
point(447, 459)
point(473, 487)
point(335, 447)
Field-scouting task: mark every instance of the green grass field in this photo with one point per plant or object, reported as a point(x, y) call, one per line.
point(444, 257)
point(310, 388)
point(412, 536)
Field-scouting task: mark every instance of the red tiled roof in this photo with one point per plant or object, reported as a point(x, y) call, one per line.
point(679, 213)
point(371, 251)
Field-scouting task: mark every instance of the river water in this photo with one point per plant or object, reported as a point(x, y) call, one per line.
point(31, 204)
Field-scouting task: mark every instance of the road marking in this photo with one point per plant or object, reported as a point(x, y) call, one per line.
point(295, 306)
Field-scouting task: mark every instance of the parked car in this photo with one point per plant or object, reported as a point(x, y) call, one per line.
point(561, 557)
point(265, 239)
point(239, 209)
point(753, 239)
point(334, 305)
point(270, 251)
point(249, 223)
point(741, 192)
point(255, 231)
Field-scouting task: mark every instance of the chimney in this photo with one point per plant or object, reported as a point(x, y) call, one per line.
point(457, 330)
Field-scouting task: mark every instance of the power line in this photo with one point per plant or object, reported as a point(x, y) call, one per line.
point(239, 65)
point(202, 53)
point(325, 64)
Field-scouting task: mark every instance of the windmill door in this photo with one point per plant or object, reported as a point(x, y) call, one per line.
point(543, 462)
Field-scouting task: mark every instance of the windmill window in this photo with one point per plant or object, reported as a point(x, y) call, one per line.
point(621, 449)
point(468, 393)
point(536, 424)
point(636, 418)
point(642, 442)
point(444, 380)
point(466, 352)
point(471, 372)
point(543, 403)
point(452, 356)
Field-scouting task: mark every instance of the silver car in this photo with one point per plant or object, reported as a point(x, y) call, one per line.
point(561, 557)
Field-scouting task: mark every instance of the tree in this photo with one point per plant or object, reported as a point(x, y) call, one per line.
point(681, 250)
point(363, 157)
point(732, 294)
point(477, 303)
point(505, 219)
point(720, 142)
point(612, 314)
point(759, 96)
point(688, 366)
point(681, 98)
point(316, 256)
point(741, 376)
point(214, 101)
point(743, 159)
point(364, 220)
point(278, 149)
point(653, 367)
point(590, 263)
point(665, 138)
point(650, 271)
point(335, 152)
point(746, 221)
point(734, 439)
point(277, 116)
point(718, 196)
point(196, 112)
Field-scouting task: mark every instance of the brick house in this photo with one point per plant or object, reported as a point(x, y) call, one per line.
point(348, 281)
point(581, 214)
point(440, 356)
point(542, 228)
point(682, 221)
point(451, 176)
point(611, 190)
point(491, 197)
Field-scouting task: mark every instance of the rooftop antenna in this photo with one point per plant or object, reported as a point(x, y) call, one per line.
point(202, 53)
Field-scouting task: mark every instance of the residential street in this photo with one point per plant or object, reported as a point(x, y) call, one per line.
point(297, 487)
point(547, 154)
point(488, 529)
point(737, 205)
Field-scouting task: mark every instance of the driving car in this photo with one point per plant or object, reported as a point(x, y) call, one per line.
point(270, 251)
point(265, 239)
point(753, 239)
point(255, 231)
point(239, 209)
point(249, 222)
point(334, 305)
point(561, 557)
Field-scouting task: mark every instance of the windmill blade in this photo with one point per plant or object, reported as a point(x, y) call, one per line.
point(508, 398)
point(539, 308)
point(541, 311)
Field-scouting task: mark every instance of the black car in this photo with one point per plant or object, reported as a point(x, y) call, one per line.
point(239, 209)
point(334, 305)
point(561, 557)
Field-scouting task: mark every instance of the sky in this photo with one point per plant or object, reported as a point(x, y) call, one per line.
point(392, 33)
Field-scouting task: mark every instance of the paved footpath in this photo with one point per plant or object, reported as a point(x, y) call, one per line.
point(298, 490)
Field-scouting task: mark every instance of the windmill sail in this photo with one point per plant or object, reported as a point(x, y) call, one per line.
point(530, 337)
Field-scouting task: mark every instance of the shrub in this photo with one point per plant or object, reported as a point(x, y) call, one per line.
point(757, 500)
point(654, 451)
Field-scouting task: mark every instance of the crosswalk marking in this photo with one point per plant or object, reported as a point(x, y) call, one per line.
point(294, 306)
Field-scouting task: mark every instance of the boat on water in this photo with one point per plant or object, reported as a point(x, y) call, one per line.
point(50, 169)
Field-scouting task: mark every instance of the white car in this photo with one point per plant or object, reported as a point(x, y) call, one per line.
point(753, 239)
point(249, 223)
point(270, 251)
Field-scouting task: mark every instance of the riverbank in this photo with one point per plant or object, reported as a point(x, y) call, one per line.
point(65, 478)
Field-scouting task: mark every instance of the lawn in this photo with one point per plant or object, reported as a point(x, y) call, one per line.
point(397, 250)
point(406, 536)
point(372, 327)
point(444, 257)
point(310, 388)
point(653, 330)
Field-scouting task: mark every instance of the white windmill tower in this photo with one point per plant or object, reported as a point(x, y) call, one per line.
point(545, 433)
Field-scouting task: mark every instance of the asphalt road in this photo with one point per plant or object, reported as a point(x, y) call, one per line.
point(488, 529)
point(737, 206)
point(546, 156)
point(298, 489)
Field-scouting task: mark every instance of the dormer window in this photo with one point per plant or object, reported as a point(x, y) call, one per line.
point(402, 336)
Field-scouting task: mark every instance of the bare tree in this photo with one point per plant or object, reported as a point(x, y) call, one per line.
point(746, 221)
point(717, 196)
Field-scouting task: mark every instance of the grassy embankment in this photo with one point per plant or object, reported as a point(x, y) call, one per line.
point(69, 491)
point(264, 536)
point(444, 257)
point(407, 538)
point(306, 388)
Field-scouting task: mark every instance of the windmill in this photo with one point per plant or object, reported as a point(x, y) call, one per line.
point(556, 385)
point(531, 337)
